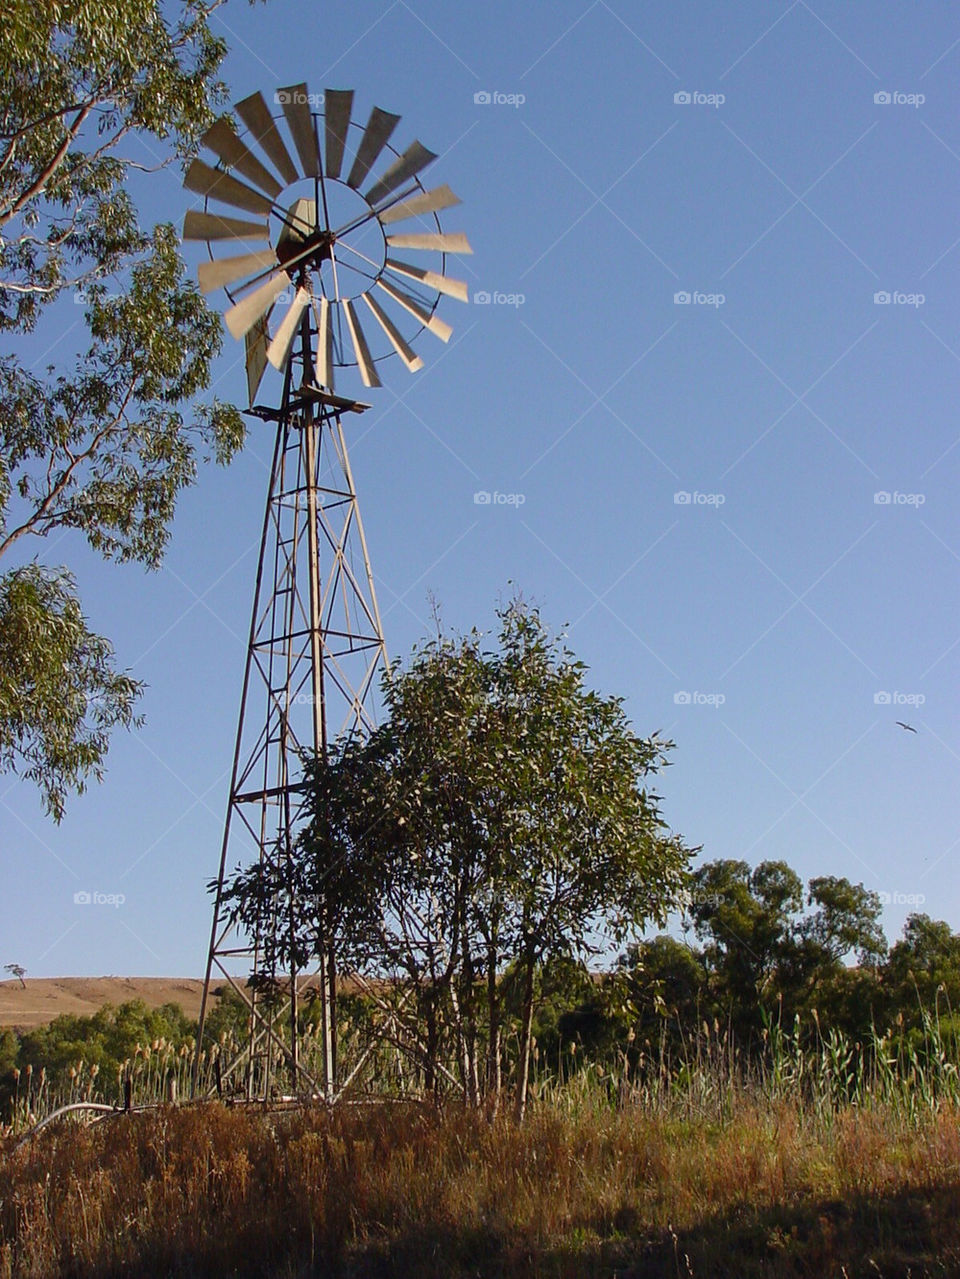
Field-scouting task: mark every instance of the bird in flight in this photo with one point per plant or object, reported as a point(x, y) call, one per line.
point(908, 727)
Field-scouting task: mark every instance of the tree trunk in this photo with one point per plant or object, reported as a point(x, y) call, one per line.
point(494, 1077)
point(526, 1034)
point(432, 1045)
point(326, 1014)
point(463, 1051)
point(332, 978)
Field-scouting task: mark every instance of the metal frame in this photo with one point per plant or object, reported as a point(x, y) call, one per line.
point(314, 653)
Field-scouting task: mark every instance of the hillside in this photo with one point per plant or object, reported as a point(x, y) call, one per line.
point(48, 997)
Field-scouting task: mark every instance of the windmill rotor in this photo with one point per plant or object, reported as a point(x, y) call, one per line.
point(329, 246)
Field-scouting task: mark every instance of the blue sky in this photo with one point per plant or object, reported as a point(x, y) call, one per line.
point(756, 623)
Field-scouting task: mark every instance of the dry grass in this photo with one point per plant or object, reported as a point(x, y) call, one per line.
point(207, 1191)
point(44, 998)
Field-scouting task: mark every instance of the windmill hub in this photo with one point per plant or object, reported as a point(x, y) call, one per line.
point(321, 242)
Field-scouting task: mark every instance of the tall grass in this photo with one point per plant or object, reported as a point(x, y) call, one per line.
point(405, 1190)
point(818, 1156)
point(705, 1075)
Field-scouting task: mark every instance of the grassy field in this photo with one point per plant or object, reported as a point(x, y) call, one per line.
point(582, 1189)
point(817, 1156)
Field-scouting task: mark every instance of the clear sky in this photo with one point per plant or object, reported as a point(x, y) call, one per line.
point(755, 624)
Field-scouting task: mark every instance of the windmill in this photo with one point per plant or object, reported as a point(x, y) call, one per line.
point(328, 198)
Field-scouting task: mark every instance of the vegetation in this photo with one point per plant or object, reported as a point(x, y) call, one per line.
point(664, 1009)
point(499, 820)
point(89, 89)
point(650, 1185)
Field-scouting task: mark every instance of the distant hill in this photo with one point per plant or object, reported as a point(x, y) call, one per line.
point(47, 997)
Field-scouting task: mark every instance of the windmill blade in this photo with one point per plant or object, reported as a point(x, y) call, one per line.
point(209, 226)
point(254, 113)
point(408, 165)
point(324, 345)
point(410, 359)
point(432, 322)
point(337, 105)
point(222, 140)
point(438, 242)
point(432, 279)
point(280, 346)
point(368, 371)
point(375, 136)
point(221, 186)
point(242, 317)
point(427, 202)
point(257, 340)
point(214, 275)
point(295, 100)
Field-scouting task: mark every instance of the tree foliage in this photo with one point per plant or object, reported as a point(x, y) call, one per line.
point(769, 946)
point(60, 693)
point(104, 444)
point(500, 819)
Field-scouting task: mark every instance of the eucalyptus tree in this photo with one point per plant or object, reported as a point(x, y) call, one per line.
point(768, 945)
point(589, 857)
point(91, 92)
point(498, 819)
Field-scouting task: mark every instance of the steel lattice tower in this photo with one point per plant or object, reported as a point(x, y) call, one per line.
point(316, 648)
point(314, 655)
